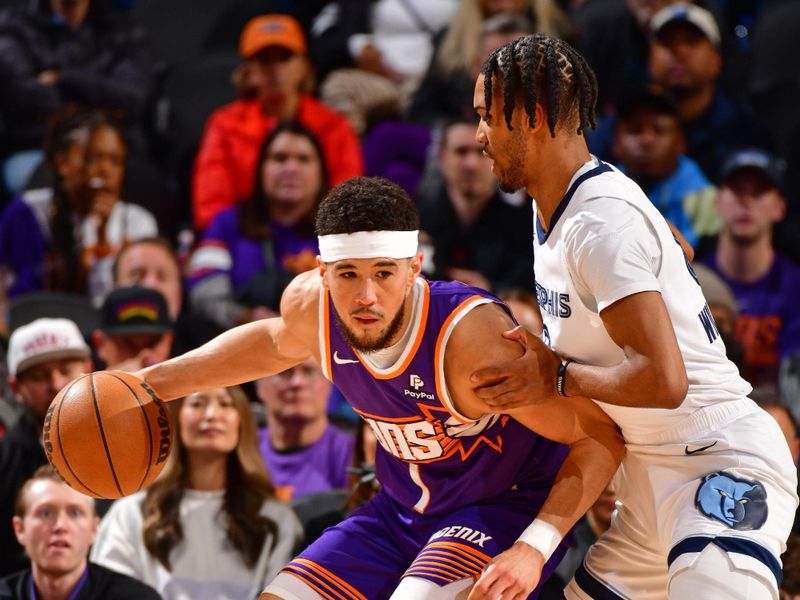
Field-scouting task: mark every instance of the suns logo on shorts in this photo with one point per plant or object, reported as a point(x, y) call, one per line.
point(416, 440)
point(738, 503)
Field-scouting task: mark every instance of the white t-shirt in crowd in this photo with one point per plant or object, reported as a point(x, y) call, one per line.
point(398, 35)
point(204, 565)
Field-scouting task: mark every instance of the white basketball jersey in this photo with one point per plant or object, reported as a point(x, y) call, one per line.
point(606, 242)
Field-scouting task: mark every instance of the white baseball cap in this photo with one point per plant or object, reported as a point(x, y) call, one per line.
point(692, 15)
point(43, 340)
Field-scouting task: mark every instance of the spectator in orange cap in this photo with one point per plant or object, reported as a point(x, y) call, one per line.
point(274, 47)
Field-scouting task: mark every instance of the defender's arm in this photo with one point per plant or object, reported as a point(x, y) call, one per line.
point(653, 374)
point(596, 446)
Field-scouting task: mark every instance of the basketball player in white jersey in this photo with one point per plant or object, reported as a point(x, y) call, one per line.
point(708, 486)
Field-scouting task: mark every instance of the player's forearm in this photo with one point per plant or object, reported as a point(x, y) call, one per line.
point(636, 381)
point(238, 355)
point(596, 450)
point(585, 473)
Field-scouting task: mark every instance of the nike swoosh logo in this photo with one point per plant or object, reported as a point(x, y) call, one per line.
point(342, 361)
point(696, 450)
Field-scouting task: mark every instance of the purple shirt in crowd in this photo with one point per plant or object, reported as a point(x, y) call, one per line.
point(315, 468)
point(287, 250)
point(769, 316)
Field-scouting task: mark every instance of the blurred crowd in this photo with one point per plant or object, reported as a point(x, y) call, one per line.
point(160, 167)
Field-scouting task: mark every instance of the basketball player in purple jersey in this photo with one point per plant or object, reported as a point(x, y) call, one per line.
point(459, 485)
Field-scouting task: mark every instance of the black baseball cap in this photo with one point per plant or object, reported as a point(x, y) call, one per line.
point(134, 309)
point(773, 168)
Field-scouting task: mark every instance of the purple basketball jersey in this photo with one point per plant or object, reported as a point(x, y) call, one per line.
point(431, 459)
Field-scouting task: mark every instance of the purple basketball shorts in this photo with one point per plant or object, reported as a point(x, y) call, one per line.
point(366, 555)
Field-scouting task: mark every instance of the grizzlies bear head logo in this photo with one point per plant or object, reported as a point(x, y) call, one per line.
point(739, 504)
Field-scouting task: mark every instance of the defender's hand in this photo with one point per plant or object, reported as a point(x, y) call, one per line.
point(511, 575)
point(529, 379)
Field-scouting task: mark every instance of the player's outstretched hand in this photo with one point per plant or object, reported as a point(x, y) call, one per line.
point(511, 575)
point(529, 379)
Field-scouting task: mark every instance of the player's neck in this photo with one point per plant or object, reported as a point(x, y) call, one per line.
point(288, 434)
point(50, 586)
point(745, 262)
point(554, 172)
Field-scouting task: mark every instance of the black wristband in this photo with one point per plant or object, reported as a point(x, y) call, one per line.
point(561, 378)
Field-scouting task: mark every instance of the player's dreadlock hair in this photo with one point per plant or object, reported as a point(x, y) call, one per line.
point(545, 70)
point(366, 204)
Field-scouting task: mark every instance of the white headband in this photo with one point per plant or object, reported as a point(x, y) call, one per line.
point(368, 244)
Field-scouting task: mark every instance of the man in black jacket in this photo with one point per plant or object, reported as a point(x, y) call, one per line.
point(57, 525)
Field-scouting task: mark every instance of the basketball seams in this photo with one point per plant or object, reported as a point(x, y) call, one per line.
point(149, 432)
point(99, 409)
point(60, 444)
point(103, 435)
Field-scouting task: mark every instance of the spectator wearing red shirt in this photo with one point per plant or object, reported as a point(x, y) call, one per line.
point(275, 46)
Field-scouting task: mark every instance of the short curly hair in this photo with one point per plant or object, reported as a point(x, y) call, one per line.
point(366, 204)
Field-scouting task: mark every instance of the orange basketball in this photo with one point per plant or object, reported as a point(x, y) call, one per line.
point(107, 434)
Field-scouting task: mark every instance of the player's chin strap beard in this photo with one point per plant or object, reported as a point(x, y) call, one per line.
point(368, 244)
point(380, 343)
